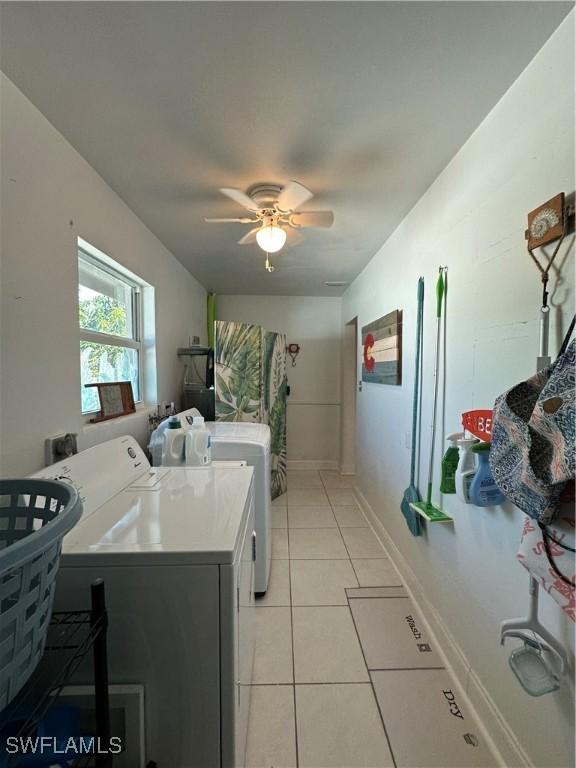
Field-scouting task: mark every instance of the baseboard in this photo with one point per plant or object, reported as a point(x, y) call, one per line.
point(312, 464)
point(502, 740)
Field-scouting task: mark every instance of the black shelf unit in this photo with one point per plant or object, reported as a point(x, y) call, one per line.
point(72, 635)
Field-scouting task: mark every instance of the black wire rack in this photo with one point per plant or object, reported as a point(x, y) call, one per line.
point(72, 636)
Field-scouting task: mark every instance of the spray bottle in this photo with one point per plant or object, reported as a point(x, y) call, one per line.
point(450, 464)
point(483, 490)
point(466, 468)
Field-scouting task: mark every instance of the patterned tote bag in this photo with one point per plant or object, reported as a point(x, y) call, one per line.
point(533, 435)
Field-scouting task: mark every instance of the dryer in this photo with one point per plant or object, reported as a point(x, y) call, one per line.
point(250, 442)
point(176, 549)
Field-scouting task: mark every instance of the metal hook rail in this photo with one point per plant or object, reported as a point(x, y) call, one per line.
point(519, 628)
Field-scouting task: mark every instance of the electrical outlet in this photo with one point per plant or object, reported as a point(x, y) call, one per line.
point(58, 447)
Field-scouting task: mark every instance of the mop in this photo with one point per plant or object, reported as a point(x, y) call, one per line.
point(427, 509)
point(411, 493)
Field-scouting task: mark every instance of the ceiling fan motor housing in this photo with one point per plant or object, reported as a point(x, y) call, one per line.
point(264, 194)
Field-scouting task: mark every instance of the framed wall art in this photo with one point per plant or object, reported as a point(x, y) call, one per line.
point(382, 350)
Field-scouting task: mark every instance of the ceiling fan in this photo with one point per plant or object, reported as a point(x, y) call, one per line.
point(274, 212)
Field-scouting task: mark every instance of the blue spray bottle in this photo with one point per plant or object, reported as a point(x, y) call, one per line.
point(483, 490)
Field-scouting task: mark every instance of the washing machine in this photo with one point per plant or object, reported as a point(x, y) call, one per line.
point(176, 548)
point(249, 442)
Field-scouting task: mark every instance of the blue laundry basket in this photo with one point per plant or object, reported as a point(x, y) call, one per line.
point(35, 515)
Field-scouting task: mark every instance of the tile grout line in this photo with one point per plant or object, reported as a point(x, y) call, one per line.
point(370, 682)
point(349, 558)
point(347, 551)
point(364, 656)
point(362, 651)
point(292, 635)
point(349, 682)
point(322, 605)
point(341, 682)
point(404, 669)
point(378, 597)
point(373, 690)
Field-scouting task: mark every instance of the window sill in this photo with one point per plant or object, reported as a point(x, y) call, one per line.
point(141, 410)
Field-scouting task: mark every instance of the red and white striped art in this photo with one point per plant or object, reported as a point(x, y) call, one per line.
point(382, 350)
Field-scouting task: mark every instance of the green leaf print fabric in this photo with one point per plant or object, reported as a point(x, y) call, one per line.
point(251, 385)
point(238, 368)
point(275, 391)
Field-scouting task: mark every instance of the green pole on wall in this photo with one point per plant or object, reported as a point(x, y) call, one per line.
point(211, 317)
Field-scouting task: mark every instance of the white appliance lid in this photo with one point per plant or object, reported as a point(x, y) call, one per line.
point(100, 472)
point(245, 432)
point(186, 515)
point(241, 432)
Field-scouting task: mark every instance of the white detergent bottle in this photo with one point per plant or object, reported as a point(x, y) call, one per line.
point(466, 468)
point(197, 448)
point(173, 448)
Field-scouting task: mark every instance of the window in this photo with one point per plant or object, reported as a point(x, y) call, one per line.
point(110, 313)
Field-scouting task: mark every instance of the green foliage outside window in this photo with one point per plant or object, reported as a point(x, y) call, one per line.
point(103, 315)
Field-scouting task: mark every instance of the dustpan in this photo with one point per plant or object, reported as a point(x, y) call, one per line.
point(540, 663)
point(533, 669)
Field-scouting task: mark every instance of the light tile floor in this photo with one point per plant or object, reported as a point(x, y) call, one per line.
point(344, 673)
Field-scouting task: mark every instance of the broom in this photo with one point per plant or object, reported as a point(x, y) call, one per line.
point(427, 509)
point(411, 493)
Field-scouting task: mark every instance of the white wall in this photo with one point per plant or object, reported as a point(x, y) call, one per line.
point(51, 196)
point(314, 404)
point(473, 219)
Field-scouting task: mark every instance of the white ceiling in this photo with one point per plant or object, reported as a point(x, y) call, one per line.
point(365, 103)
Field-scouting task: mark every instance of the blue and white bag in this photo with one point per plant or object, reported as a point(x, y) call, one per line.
point(533, 438)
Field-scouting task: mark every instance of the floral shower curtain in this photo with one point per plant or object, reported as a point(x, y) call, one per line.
point(251, 385)
point(275, 391)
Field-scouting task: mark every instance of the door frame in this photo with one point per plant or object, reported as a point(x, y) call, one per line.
point(349, 374)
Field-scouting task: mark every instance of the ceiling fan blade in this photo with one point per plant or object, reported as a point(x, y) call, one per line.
point(237, 221)
point(293, 237)
point(292, 196)
point(312, 219)
point(239, 197)
point(249, 237)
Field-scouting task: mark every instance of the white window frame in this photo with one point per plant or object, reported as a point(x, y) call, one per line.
point(135, 342)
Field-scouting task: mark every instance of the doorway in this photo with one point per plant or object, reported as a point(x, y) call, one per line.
point(348, 399)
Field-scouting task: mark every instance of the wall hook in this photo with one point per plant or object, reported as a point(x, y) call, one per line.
point(293, 350)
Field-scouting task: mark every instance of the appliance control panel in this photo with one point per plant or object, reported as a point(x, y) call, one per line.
point(99, 473)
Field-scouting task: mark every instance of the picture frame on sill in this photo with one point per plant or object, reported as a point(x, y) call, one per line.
point(116, 399)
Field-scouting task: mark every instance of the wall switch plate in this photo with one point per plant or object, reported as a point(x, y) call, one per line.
point(58, 447)
point(408, 440)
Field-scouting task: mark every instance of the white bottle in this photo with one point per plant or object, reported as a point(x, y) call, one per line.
point(197, 447)
point(173, 447)
point(466, 468)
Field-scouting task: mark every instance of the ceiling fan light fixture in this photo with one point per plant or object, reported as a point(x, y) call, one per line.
point(271, 238)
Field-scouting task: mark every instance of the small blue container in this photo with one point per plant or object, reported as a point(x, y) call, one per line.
point(483, 490)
